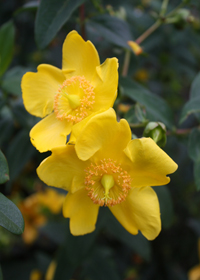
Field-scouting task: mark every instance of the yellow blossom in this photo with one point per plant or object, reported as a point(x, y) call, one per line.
point(106, 168)
point(135, 47)
point(64, 97)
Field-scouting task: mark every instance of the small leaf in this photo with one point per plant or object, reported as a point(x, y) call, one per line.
point(10, 216)
point(51, 16)
point(156, 108)
point(113, 29)
point(7, 34)
point(4, 172)
point(194, 144)
point(12, 80)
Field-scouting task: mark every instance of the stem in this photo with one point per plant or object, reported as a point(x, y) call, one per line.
point(150, 30)
point(126, 63)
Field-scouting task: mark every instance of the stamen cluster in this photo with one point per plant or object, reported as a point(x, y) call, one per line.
point(80, 86)
point(118, 192)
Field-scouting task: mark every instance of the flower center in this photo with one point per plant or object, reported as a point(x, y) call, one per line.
point(107, 183)
point(74, 99)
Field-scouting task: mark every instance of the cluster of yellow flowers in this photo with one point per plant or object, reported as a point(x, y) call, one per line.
point(100, 165)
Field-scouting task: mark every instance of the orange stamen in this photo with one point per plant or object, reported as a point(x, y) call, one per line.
point(63, 108)
point(96, 191)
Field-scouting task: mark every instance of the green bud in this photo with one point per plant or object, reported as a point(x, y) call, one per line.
point(157, 131)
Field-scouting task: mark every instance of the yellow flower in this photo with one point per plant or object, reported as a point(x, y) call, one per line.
point(65, 97)
point(106, 168)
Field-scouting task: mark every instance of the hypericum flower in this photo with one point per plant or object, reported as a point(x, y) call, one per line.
point(106, 168)
point(65, 97)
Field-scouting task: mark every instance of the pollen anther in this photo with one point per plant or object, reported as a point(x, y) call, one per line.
point(107, 183)
point(74, 99)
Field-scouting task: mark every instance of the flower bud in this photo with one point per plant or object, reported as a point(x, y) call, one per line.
point(157, 131)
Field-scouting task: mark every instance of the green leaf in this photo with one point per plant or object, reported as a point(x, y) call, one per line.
point(12, 80)
point(156, 108)
point(4, 172)
point(101, 266)
point(166, 206)
point(73, 251)
point(193, 105)
point(197, 174)
point(7, 34)
point(10, 216)
point(194, 144)
point(138, 243)
point(51, 16)
point(113, 29)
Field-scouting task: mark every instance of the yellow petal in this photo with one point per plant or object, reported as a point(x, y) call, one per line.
point(140, 211)
point(104, 134)
point(106, 84)
point(39, 89)
point(79, 57)
point(81, 211)
point(150, 164)
point(61, 167)
point(49, 133)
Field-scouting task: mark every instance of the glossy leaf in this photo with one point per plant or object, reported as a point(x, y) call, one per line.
point(194, 144)
point(113, 29)
point(7, 33)
point(4, 172)
point(156, 108)
point(51, 16)
point(12, 80)
point(10, 216)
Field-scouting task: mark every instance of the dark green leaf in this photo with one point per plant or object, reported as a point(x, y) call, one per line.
point(12, 80)
point(156, 108)
point(166, 207)
point(197, 174)
point(113, 29)
point(19, 152)
point(6, 128)
point(101, 266)
point(4, 172)
point(10, 216)
point(32, 5)
point(138, 243)
point(7, 33)
point(51, 16)
point(193, 105)
point(73, 251)
point(194, 144)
